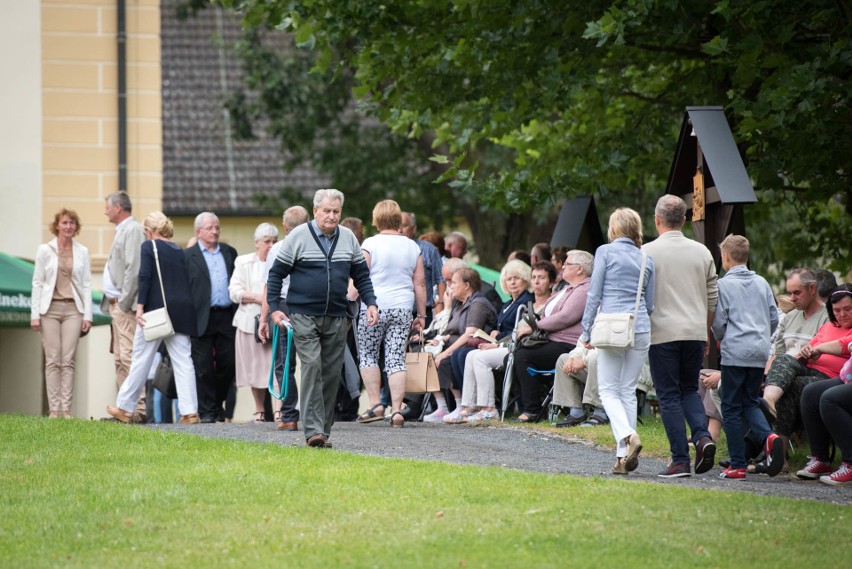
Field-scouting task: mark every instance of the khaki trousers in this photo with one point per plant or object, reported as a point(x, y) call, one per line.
point(123, 331)
point(576, 390)
point(320, 341)
point(60, 332)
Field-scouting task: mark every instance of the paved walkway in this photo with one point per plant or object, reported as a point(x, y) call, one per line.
point(509, 447)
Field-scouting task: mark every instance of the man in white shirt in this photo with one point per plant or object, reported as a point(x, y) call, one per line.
point(121, 280)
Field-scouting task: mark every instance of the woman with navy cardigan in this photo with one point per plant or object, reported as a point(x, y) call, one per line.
point(159, 231)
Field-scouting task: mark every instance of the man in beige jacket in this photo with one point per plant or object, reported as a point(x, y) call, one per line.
point(684, 302)
point(121, 279)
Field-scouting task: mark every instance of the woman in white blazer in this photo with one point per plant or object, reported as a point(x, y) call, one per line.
point(61, 307)
point(246, 289)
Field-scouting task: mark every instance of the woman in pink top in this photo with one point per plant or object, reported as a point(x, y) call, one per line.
point(827, 405)
point(561, 318)
point(817, 361)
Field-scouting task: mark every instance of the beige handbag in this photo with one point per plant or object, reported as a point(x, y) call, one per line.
point(421, 373)
point(157, 322)
point(617, 330)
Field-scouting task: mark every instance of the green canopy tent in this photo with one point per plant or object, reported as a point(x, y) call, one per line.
point(492, 277)
point(16, 283)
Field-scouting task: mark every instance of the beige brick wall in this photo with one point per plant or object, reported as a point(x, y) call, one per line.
point(80, 112)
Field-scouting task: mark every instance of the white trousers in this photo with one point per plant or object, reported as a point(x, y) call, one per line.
point(478, 385)
point(180, 351)
point(618, 375)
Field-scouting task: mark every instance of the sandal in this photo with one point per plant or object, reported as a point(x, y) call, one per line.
point(260, 417)
point(594, 421)
point(370, 415)
point(481, 416)
point(276, 417)
point(397, 423)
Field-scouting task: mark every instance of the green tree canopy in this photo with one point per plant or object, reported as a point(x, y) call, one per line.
point(525, 102)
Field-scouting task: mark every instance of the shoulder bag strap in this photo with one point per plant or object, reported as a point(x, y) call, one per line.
point(639, 286)
point(159, 274)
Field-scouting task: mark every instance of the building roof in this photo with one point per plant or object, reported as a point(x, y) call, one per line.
point(204, 168)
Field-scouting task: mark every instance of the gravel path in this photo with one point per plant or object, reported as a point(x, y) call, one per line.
point(508, 447)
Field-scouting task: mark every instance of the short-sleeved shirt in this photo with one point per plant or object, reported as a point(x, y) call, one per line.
point(432, 265)
point(393, 259)
point(795, 331)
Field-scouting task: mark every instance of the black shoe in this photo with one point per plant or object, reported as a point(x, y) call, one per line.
point(724, 463)
point(524, 418)
point(411, 414)
point(705, 455)
point(676, 471)
point(570, 421)
point(208, 419)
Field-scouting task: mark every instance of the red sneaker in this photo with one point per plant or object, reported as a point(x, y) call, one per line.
point(814, 469)
point(733, 473)
point(774, 449)
point(840, 477)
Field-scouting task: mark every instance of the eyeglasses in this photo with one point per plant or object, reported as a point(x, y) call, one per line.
point(575, 264)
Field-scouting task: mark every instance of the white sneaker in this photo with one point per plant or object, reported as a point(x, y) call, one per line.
point(436, 417)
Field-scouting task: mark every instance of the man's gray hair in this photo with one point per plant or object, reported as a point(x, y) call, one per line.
point(411, 218)
point(456, 236)
point(199, 219)
point(671, 210)
point(583, 258)
point(454, 264)
point(265, 230)
point(328, 194)
point(121, 199)
point(806, 276)
point(294, 217)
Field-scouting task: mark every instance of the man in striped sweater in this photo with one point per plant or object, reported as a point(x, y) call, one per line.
point(320, 257)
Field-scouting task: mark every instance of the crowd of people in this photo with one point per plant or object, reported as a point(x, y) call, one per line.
point(350, 308)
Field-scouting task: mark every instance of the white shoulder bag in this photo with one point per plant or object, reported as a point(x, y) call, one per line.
point(617, 330)
point(157, 322)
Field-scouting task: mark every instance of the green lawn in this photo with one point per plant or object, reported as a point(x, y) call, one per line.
point(98, 494)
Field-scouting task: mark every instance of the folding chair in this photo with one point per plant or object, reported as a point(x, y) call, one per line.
point(545, 405)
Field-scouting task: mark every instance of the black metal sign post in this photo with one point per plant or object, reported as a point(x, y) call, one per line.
point(709, 174)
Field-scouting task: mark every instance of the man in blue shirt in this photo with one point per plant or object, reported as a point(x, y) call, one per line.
point(210, 265)
point(431, 264)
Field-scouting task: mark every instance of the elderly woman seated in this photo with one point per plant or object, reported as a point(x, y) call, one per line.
point(478, 385)
point(817, 361)
point(471, 312)
point(561, 319)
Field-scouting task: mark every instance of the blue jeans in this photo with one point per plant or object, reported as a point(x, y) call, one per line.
point(675, 367)
point(740, 392)
point(457, 360)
